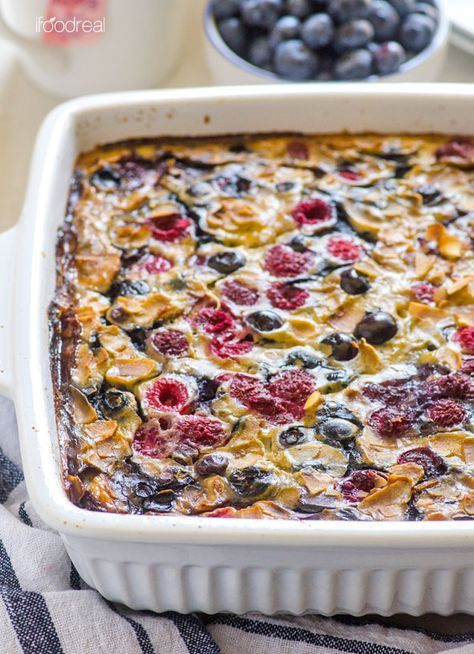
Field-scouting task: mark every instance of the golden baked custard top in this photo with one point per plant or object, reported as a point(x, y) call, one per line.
point(269, 327)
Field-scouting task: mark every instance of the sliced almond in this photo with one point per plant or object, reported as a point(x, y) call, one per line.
point(426, 312)
point(449, 245)
point(100, 430)
point(313, 401)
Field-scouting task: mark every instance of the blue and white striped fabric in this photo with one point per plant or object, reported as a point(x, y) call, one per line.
point(45, 608)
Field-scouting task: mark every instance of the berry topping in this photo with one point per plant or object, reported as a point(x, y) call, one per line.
point(465, 338)
point(239, 293)
point(168, 228)
point(287, 296)
point(211, 464)
point(169, 342)
point(432, 463)
point(353, 282)
point(314, 212)
point(457, 150)
point(155, 263)
point(292, 436)
point(251, 481)
point(377, 327)
point(423, 292)
point(344, 249)
point(338, 429)
point(223, 349)
point(447, 412)
point(226, 262)
point(389, 423)
point(342, 345)
point(294, 385)
point(455, 385)
point(350, 174)
point(358, 484)
point(167, 435)
point(468, 366)
point(282, 261)
point(264, 321)
point(214, 321)
point(298, 150)
point(167, 394)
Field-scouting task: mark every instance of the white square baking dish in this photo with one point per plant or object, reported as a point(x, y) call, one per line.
point(207, 564)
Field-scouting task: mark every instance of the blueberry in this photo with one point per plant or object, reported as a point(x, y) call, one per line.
point(343, 10)
point(385, 20)
point(425, 8)
point(261, 13)
point(225, 8)
point(207, 388)
point(260, 52)
point(388, 57)
point(114, 401)
point(377, 327)
point(404, 7)
point(417, 32)
point(211, 464)
point(354, 65)
point(298, 243)
point(431, 194)
point(353, 282)
point(226, 262)
point(128, 287)
point(105, 179)
point(292, 436)
point(342, 346)
point(331, 409)
point(299, 8)
point(234, 34)
point(354, 34)
point(294, 61)
point(318, 31)
point(302, 359)
point(286, 27)
point(338, 429)
point(251, 481)
point(264, 321)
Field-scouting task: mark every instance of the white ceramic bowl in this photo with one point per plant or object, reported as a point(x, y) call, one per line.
point(207, 564)
point(227, 67)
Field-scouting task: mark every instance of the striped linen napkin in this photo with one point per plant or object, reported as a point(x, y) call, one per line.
point(45, 608)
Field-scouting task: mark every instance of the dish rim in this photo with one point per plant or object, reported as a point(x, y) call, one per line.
point(41, 467)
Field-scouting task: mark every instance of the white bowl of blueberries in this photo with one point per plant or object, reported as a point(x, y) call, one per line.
point(325, 40)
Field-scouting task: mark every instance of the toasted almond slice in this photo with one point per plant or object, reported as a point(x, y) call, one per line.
point(313, 401)
point(449, 443)
point(347, 318)
point(413, 471)
point(396, 492)
point(126, 372)
point(369, 358)
point(468, 450)
point(423, 263)
point(425, 312)
point(100, 430)
point(468, 504)
point(449, 244)
point(83, 411)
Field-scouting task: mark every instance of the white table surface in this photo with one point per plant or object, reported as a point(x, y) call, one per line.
point(23, 106)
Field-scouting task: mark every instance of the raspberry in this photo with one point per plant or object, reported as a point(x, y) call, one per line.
point(388, 423)
point(313, 212)
point(358, 484)
point(200, 430)
point(458, 148)
point(455, 385)
point(155, 263)
point(239, 293)
point(286, 296)
point(446, 413)
point(465, 338)
point(393, 392)
point(294, 385)
point(350, 174)
point(282, 261)
point(423, 292)
point(298, 150)
point(432, 463)
point(253, 394)
point(170, 342)
point(344, 249)
point(168, 228)
point(215, 321)
point(167, 394)
point(468, 367)
point(151, 439)
point(229, 349)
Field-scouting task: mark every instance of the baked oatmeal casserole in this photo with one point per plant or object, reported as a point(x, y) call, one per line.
point(269, 327)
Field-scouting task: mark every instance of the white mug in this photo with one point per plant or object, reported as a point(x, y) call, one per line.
point(133, 45)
